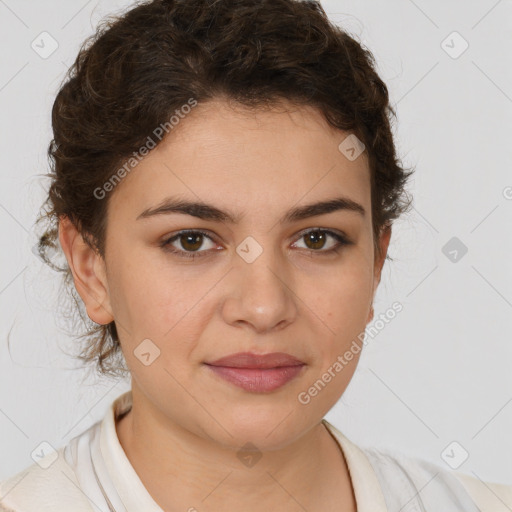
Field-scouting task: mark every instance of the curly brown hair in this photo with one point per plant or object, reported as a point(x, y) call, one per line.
point(144, 64)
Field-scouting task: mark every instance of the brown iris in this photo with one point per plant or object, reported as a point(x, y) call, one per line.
point(191, 241)
point(317, 238)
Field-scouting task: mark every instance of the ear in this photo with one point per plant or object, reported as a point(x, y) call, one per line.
point(89, 273)
point(384, 238)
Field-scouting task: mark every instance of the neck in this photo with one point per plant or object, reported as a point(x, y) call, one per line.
point(180, 469)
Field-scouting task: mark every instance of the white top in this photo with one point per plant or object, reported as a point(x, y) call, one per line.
point(93, 474)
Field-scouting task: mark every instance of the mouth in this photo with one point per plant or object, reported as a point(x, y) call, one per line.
point(257, 373)
point(258, 380)
point(261, 361)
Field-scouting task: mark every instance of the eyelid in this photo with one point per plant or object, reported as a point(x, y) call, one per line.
point(213, 237)
point(326, 230)
point(341, 238)
point(193, 231)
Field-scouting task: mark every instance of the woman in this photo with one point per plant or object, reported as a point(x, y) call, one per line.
point(225, 182)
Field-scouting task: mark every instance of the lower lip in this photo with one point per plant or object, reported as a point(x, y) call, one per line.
point(258, 380)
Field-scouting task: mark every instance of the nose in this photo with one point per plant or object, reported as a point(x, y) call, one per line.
point(260, 293)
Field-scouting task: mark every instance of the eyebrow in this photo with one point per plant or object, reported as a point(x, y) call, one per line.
point(205, 211)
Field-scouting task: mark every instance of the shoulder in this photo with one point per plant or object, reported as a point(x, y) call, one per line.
point(434, 487)
point(48, 485)
point(67, 479)
point(489, 496)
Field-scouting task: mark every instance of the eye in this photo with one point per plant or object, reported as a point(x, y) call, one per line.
point(190, 240)
point(315, 240)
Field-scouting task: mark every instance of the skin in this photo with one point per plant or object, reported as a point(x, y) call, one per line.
point(186, 425)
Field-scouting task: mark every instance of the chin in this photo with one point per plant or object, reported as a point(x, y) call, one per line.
point(267, 430)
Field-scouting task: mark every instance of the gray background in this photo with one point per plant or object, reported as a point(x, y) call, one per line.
point(440, 371)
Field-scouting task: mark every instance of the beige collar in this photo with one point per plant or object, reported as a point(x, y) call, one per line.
point(367, 489)
point(368, 493)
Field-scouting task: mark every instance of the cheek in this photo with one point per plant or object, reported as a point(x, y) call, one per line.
point(165, 305)
point(340, 307)
point(342, 298)
point(343, 308)
point(140, 300)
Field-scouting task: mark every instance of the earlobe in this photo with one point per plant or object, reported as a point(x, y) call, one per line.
point(87, 268)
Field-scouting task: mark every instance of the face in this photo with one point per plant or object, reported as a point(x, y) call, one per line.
point(270, 279)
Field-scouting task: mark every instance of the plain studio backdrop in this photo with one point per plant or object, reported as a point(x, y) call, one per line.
point(435, 381)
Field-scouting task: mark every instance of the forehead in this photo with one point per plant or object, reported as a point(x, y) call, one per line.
point(232, 155)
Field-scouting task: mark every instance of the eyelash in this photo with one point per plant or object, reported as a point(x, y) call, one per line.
point(342, 241)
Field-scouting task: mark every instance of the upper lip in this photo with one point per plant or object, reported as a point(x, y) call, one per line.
point(250, 360)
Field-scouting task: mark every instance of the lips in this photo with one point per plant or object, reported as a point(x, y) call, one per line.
point(257, 373)
point(259, 361)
